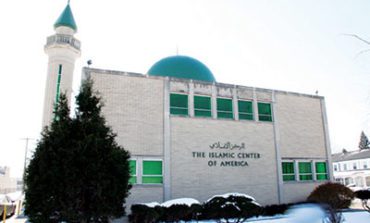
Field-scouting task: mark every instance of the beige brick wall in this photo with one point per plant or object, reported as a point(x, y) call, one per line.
point(144, 194)
point(192, 177)
point(134, 109)
point(297, 192)
point(300, 126)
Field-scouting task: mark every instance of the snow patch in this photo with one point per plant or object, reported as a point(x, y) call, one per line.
point(233, 194)
point(185, 201)
point(151, 204)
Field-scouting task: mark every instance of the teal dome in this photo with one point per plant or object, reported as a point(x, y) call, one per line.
point(66, 19)
point(182, 67)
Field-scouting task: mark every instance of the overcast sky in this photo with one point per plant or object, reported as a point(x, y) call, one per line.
point(287, 45)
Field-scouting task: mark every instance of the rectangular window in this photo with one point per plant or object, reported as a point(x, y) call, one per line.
point(365, 165)
point(179, 104)
point(245, 110)
point(355, 166)
point(321, 171)
point(345, 166)
point(133, 177)
point(264, 112)
point(152, 172)
point(305, 171)
point(225, 108)
point(202, 106)
point(335, 167)
point(288, 171)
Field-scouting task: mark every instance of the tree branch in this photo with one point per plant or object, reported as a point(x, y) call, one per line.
point(357, 37)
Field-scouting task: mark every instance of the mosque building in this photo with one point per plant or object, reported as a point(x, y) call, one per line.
point(191, 136)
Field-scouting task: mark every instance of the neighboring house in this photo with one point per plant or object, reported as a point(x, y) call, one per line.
point(7, 184)
point(352, 168)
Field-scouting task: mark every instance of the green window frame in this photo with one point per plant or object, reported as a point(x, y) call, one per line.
point(321, 171)
point(245, 110)
point(225, 108)
point(133, 170)
point(179, 104)
point(305, 171)
point(264, 111)
point(152, 172)
point(202, 106)
point(288, 171)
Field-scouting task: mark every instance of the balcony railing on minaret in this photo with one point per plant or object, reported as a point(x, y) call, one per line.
point(63, 39)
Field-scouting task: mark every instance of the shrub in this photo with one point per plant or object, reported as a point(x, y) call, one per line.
point(230, 207)
point(271, 210)
point(143, 214)
point(364, 196)
point(336, 195)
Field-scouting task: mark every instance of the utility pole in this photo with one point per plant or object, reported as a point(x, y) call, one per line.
point(26, 152)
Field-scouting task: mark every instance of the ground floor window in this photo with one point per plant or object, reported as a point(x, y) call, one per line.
point(304, 170)
point(133, 178)
point(151, 171)
point(321, 171)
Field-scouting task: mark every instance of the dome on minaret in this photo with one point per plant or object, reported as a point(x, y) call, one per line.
point(66, 19)
point(182, 67)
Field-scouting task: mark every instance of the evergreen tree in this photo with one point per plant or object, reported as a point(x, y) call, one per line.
point(364, 142)
point(78, 172)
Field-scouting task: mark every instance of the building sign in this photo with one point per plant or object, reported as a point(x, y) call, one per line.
point(227, 155)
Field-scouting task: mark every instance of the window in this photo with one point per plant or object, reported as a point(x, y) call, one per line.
point(355, 166)
point(288, 171)
point(202, 106)
point(224, 108)
point(178, 104)
point(365, 165)
point(335, 167)
point(152, 172)
point(264, 112)
point(305, 171)
point(245, 110)
point(133, 177)
point(345, 166)
point(321, 171)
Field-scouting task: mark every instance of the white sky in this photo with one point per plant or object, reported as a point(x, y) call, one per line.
point(283, 44)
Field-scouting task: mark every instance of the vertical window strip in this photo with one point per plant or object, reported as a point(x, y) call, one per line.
point(179, 104)
point(245, 110)
point(264, 112)
point(225, 108)
point(288, 171)
point(305, 171)
point(133, 170)
point(202, 106)
point(321, 171)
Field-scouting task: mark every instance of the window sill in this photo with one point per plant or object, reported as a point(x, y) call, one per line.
point(147, 185)
point(305, 181)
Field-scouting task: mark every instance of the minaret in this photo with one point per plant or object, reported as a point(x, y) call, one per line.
point(63, 50)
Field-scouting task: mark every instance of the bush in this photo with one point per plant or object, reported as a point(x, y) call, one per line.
point(230, 207)
point(336, 195)
point(364, 196)
point(271, 210)
point(143, 214)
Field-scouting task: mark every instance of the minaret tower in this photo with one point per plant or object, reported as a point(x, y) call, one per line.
point(63, 50)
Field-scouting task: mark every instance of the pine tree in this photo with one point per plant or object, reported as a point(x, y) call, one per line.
point(78, 172)
point(364, 142)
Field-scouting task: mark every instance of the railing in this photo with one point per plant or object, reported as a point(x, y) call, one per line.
point(63, 39)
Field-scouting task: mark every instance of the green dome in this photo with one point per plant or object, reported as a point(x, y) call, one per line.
point(66, 19)
point(182, 67)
